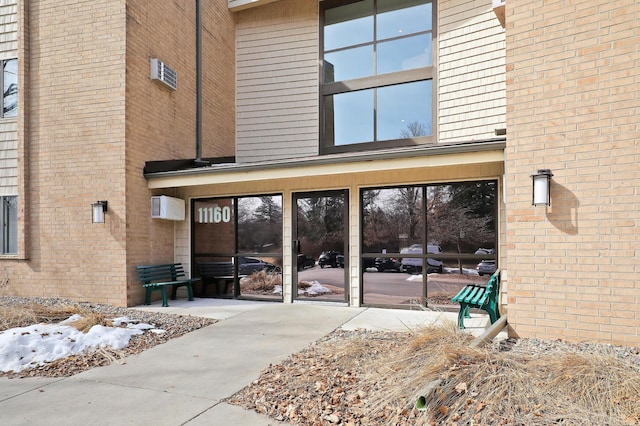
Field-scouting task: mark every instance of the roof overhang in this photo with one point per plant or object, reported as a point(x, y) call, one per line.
point(488, 151)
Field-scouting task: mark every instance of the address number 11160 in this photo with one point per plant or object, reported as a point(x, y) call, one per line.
point(215, 214)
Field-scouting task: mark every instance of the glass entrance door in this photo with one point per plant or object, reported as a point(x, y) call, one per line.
point(320, 221)
point(237, 246)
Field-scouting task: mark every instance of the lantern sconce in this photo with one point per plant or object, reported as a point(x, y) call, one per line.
point(98, 210)
point(541, 195)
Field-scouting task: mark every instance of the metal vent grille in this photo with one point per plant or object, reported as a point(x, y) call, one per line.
point(164, 74)
point(155, 206)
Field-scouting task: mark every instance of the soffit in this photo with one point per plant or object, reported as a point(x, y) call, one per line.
point(434, 156)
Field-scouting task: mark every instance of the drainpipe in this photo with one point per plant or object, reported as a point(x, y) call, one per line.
point(199, 159)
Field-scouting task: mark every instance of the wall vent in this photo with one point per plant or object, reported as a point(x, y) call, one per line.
point(162, 73)
point(163, 207)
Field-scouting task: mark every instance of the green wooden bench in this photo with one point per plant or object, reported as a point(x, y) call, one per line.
point(158, 277)
point(480, 297)
point(218, 273)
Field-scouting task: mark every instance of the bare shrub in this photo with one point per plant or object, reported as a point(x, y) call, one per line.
point(261, 282)
point(26, 315)
point(484, 386)
point(375, 378)
point(88, 320)
point(302, 285)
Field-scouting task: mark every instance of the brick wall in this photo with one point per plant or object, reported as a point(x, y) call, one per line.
point(573, 99)
point(70, 133)
point(161, 123)
point(89, 119)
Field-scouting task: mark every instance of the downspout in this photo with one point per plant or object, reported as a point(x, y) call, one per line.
point(198, 159)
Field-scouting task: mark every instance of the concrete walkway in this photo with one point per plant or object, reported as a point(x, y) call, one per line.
point(185, 381)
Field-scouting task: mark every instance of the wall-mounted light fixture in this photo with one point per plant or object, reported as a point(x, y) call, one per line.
point(541, 184)
point(98, 209)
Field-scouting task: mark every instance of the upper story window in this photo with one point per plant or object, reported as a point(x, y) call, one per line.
point(9, 88)
point(377, 74)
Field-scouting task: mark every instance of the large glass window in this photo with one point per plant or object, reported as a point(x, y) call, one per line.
point(377, 73)
point(10, 88)
point(421, 244)
point(321, 222)
point(237, 246)
point(9, 218)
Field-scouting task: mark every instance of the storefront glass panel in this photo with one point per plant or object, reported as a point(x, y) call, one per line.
point(320, 226)
point(238, 246)
point(397, 248)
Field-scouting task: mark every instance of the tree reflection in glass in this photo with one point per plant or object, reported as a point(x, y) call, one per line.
point(10, 89)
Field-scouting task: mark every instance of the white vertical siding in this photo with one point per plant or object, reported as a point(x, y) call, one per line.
point(8, 126)
point(471, 71)
point(277, 81)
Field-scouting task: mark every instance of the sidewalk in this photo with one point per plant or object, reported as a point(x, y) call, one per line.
point(184, 381)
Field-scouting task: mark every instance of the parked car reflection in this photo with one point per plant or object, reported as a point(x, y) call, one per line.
point(305, 261)
point(486, 267)
point(414, 265)
point(485, 251)
point(331, 258)
point(249, 265)
point(388, 264)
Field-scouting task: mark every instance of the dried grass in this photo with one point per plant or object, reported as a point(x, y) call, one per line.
point(303, 285)
point(484, 386)
point(260, 282)
point(88, 320)
point(26, 315)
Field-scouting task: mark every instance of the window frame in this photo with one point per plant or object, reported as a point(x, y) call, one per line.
point(373, 83)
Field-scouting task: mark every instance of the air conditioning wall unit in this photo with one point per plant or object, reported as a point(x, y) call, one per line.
point(164, 207)
point(162, 73)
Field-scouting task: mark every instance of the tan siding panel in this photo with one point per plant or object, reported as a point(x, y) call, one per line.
point(293, 100)
point(288, 34)
point(8, 158)
point(471, 66)
point(292, 80)
point(279, 129)
point(277, 81)
point(257, 109)
point(269, 65)
point(279, 148)
point(255, 114)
